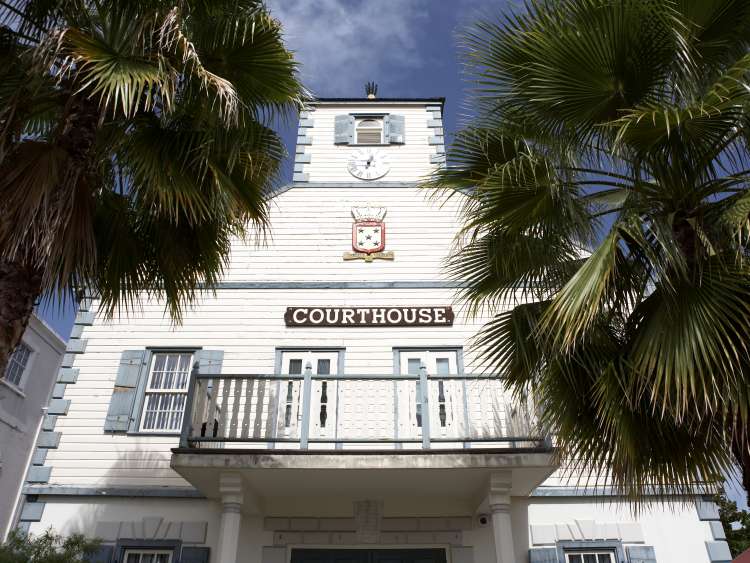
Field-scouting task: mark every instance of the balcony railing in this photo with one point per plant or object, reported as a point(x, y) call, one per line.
point(333, 412)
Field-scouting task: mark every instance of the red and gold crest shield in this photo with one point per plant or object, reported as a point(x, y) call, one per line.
point(368, 236)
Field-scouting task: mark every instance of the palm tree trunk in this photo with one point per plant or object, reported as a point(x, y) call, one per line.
point(21, 283)
point(20, 287)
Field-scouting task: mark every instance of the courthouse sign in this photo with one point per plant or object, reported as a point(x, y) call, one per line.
point(369, 316)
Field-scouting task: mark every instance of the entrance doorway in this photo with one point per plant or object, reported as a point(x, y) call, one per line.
point(368, 556)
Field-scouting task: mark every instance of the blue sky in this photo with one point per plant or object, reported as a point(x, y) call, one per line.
point(408, 47)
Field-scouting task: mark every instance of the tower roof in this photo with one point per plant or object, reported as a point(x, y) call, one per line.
point(440, 100)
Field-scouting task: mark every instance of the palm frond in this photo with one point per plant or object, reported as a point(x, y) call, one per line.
point(621, 127)
point(133, 141)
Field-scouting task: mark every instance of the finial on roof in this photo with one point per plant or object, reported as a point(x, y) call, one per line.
point(372, 90)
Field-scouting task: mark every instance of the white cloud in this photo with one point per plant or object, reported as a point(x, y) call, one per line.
point(342, 44)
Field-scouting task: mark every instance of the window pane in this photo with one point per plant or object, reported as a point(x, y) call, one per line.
point(443, 366)
point(172, 360)
point(574, 558)
point(17, 364)
point(324, 367)
point(159, 360)
point(370, 131)
point(164, 411)
point(295, 367)
point(414, 365)
point(589, 558)
point(166, 372)
point(147, 556)
point(605, 558)
point(185, 362)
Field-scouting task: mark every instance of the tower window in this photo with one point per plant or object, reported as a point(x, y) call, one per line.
point(369, 131)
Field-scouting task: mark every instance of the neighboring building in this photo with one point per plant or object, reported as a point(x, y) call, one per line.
point(332, 416)
point(24, 393)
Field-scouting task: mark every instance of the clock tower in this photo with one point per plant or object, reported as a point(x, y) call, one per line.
point(369, 141)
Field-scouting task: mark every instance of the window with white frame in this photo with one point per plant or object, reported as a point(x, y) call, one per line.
point(166, 393)
point(147, 556)
point(17, 364)
point(590, 557)
point(370, 131)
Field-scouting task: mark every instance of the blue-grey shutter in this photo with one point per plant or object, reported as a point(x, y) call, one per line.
point(209, 361)
point(195, 555)
point(543, 555)
point(641, 554)
point(103, 554)
point(396, 129)
point(344, 129)
point(121, 404)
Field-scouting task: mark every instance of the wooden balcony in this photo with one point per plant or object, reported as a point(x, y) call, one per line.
point(342, 412)
point(302, 444)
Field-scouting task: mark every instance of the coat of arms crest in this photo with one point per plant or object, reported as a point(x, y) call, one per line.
point(368, 234)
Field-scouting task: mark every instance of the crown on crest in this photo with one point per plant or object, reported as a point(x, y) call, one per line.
point(368, 213)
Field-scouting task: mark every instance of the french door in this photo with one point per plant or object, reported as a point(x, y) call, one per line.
point(445, 406)
point(321, 418)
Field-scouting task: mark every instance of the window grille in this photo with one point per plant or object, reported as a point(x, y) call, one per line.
point(590, 557)
point(147, 556)
point(17, 363)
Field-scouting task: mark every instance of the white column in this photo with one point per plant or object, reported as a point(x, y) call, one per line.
point(499, 502)
point(230, 488)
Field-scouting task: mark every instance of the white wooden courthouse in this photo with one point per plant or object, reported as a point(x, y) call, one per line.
point(334, 414)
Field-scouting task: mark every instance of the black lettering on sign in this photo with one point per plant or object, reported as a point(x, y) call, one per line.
point(368, 316)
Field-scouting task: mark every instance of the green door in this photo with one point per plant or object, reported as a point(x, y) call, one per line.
point(368, 556)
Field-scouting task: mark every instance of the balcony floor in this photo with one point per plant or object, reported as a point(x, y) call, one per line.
point(295, 482)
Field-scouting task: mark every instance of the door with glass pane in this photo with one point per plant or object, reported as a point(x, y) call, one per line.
point(323, 395)
point(445, 398)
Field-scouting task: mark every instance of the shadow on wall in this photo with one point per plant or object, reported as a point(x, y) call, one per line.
point(173, 514)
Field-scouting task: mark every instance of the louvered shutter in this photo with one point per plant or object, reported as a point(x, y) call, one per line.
point(543, 555)
point(396, 129)
point(209, 361)
point(344, 130)
point(194, 555)
point(123, 396)
point(641, 554)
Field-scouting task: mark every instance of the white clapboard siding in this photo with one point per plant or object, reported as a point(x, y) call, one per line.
point(248, 326)
point(409, 162)
point(310, 230)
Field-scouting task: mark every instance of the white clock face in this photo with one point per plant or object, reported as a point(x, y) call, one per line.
point(368, 164)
